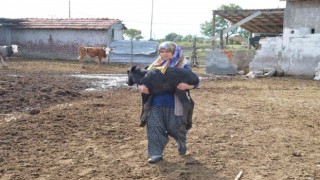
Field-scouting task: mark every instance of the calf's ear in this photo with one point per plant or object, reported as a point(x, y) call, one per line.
point(133, 68)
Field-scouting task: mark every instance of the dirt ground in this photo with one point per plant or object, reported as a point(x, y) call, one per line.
point(50, 128)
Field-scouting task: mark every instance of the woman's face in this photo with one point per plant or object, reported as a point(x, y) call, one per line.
point(165, 54)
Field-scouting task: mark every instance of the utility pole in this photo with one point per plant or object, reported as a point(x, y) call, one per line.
point(69, 9)
point(151, 20)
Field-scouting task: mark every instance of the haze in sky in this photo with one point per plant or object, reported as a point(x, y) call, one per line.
point(179, 16)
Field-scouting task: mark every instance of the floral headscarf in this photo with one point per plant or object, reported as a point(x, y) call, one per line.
point(175, 61)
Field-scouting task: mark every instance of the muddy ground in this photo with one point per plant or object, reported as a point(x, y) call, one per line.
point(51, 128)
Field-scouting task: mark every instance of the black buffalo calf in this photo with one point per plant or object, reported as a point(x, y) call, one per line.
point(158, 83)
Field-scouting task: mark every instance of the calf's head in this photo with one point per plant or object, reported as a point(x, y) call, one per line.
point(135, 74)
point(106, 51)
point(14, 48)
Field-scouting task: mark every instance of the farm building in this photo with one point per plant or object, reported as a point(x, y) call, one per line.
point(295, 50)
point(58, 38)
point(255, 21)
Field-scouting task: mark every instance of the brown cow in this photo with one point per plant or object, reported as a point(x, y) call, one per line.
point(100, 52)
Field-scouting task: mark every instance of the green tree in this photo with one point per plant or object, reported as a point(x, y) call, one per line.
point(220, 24)
point(206, 28)
point(188, 38)
point(244, 33)
point(171, 36)
point(133, 34)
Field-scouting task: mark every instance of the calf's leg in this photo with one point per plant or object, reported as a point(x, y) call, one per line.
point(100, 59)
point(188, 105)
point(4, 64)
point(146, 106)
point(189, 122)
point(81, 58)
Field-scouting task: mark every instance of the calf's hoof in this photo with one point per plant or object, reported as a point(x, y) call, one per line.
point(189, 126)
point(142, 123)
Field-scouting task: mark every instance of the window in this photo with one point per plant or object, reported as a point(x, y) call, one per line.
point(312, 31)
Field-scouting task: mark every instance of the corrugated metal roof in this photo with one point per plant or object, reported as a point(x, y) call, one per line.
point(270, 21)
point(77, 23)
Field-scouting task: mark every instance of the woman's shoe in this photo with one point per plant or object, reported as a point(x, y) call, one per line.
point(182, 149)
point(182, 153)
point(155, 159)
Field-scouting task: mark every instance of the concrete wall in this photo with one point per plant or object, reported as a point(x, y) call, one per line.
point(221, 63)
point(301, 52)
point(301, 38)
point(242, 58)
point(115, 33)
point(297, 52)
point(5, 36)
point(268, 56)
point(302, 14)
point(57, 44)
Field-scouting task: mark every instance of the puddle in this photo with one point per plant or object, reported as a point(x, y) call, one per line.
point(105, 81)
point(102, 82)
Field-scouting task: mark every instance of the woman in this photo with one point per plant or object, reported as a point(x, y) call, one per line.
point(165, 117)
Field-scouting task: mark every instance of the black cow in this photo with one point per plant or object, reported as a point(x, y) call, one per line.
point(254, 41)
point(158, 83)
point(7, 51)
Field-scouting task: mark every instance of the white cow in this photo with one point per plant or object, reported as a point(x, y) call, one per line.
point(7, 51)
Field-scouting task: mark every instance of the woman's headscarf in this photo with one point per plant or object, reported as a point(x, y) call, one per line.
point(175, 61)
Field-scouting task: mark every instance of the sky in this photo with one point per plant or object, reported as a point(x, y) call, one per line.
point(182, 17)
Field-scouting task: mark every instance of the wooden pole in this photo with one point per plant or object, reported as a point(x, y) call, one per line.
point(194, 54)
point(221, 40)
point(213, 31)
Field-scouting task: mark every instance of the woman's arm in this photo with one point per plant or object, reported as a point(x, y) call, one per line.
point(143, 89)
point(184, 86)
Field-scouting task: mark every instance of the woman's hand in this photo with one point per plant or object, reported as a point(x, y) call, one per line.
point(143, 89)
point(184, 86)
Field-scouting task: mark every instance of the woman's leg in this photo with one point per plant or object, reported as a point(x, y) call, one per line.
point(156, 131)
point(178, 131)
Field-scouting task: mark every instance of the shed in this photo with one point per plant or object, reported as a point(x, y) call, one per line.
point(59, 38)
point(295, 52)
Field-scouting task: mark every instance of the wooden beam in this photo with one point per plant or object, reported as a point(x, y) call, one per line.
point(239, 23)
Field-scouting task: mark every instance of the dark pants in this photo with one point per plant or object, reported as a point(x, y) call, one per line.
point(162, 123)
